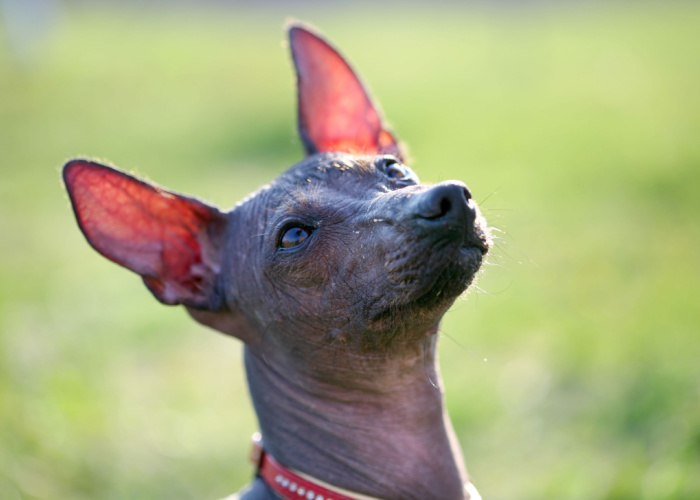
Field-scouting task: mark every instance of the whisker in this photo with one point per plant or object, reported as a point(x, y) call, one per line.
point(462, 347)
point(490, 195)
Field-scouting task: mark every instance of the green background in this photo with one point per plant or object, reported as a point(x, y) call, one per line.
point(576, 126)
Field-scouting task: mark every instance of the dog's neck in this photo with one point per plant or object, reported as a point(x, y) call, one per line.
point(389, 438)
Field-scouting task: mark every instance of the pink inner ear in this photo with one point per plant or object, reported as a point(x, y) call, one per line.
point(157, 234)
point(335, 111)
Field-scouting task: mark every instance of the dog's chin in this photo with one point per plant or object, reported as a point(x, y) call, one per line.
point(452, 281)
point(428, 299)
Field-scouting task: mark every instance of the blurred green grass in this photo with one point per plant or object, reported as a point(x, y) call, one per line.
point(578, 126)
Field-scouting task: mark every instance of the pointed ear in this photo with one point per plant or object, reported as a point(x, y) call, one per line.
point(335, 111)
point(171, 240)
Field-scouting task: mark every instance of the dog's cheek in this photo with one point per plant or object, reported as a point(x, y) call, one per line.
point(304, 268)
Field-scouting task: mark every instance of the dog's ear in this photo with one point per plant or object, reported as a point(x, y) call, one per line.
point(336, 113)
point(171, 240)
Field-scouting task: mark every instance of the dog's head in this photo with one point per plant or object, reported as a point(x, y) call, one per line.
point(344, 252)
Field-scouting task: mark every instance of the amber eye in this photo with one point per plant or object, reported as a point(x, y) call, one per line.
point(294, 236)
point(394, 170)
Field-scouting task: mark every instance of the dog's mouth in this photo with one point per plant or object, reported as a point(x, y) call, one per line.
point(472, 255)
point(455, 277)
point(429, 282)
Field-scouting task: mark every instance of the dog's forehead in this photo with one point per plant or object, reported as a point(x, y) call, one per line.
point(332, 171)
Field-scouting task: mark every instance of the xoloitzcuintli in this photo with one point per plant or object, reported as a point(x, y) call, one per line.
point(335, 276)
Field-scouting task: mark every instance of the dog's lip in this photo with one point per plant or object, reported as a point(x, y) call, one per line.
point(476, 245)
point(471, 253)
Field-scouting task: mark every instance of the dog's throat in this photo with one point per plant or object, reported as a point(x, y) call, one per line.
point(402, 446)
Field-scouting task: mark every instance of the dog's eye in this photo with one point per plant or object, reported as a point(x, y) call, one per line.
point(294, 236)
point(394, 170)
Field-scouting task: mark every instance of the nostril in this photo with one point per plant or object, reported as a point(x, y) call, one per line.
point(445, 206)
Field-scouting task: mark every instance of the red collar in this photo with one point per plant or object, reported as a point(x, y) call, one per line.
point(292, 485)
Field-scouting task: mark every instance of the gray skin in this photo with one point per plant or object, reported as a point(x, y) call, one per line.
point(340, 330)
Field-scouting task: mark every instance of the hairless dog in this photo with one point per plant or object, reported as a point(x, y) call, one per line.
point(335, 276)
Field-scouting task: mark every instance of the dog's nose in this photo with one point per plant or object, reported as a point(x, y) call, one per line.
point(447, 200)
